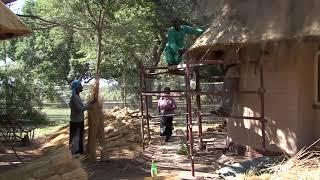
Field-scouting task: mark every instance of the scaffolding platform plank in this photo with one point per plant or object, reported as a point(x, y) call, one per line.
point(231, 116)
point(162, 95)
point(222, 93)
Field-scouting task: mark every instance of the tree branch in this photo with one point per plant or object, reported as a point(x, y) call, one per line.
point(52, 22)
point(93, 22)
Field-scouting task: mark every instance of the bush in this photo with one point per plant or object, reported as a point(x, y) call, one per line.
point(36, 116)
point(20, 92)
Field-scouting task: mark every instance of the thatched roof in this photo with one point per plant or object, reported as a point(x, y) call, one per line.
point(10, 25)
point(255, 21)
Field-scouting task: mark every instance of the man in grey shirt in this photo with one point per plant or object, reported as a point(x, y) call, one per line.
point(77, 118)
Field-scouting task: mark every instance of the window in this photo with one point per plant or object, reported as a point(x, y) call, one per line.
point(317, 78)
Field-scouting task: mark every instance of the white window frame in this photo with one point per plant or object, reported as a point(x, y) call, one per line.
point(316, 78)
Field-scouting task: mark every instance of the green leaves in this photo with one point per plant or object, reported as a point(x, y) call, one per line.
point(64, 43)
point(20, 93)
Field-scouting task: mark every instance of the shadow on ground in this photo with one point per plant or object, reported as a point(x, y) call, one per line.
point(115, 169)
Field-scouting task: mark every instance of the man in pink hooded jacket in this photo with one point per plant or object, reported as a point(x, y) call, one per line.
point(166, 107)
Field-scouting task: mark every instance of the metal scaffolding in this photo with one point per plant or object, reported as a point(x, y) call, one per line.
point(187, 70)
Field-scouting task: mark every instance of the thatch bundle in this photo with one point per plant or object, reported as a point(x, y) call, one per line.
point(57, 165)
point(57, 140)
point(121, 133)
point(95, 123)
point(305, 165)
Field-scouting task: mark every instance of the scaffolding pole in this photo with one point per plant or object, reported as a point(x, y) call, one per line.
point(198, 100)
point(187, 121)
point(141, 105)
point(262, 120)
point(144, 86)
point(188, 68)
point(188, 101)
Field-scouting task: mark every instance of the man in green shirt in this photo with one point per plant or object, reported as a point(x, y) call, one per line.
point(175, 46)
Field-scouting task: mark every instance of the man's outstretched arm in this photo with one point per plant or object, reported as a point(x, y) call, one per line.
point(192, 30)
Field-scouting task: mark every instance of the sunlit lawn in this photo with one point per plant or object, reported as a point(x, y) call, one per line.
point(57, 117)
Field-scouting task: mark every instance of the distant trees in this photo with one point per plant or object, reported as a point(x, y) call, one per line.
point(71, 39)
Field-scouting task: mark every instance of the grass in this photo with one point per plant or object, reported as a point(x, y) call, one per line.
point(58, 117)
point(46, 130)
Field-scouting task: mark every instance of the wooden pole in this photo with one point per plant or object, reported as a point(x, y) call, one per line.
point(144, 85)
point(141, 105)
point(262, 120)
point(188, 99)
point(199, 118)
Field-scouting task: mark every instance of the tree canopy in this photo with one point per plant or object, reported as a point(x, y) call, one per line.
point(68, 34)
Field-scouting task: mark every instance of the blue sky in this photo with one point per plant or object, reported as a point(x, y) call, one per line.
point(16, 6)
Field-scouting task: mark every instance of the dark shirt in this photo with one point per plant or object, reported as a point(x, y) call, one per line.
point(77, 109)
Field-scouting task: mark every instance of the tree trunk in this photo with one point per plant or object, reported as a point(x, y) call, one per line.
point(95, 115)
point(156, 57)
point(99, 47)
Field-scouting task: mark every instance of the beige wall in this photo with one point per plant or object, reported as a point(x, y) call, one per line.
point(310, 117)
point(288, 99)
point(307, 114)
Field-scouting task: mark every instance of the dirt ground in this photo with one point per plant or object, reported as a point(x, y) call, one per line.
point(122, 165)
point(9, 161)
point(131, 162)
point(115, 169)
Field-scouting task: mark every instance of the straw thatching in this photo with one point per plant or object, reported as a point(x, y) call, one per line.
point(121, 134)
point(252, 21)
point(56, 165)
point(95, 124)
point(304, 165)
point(10, 25)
